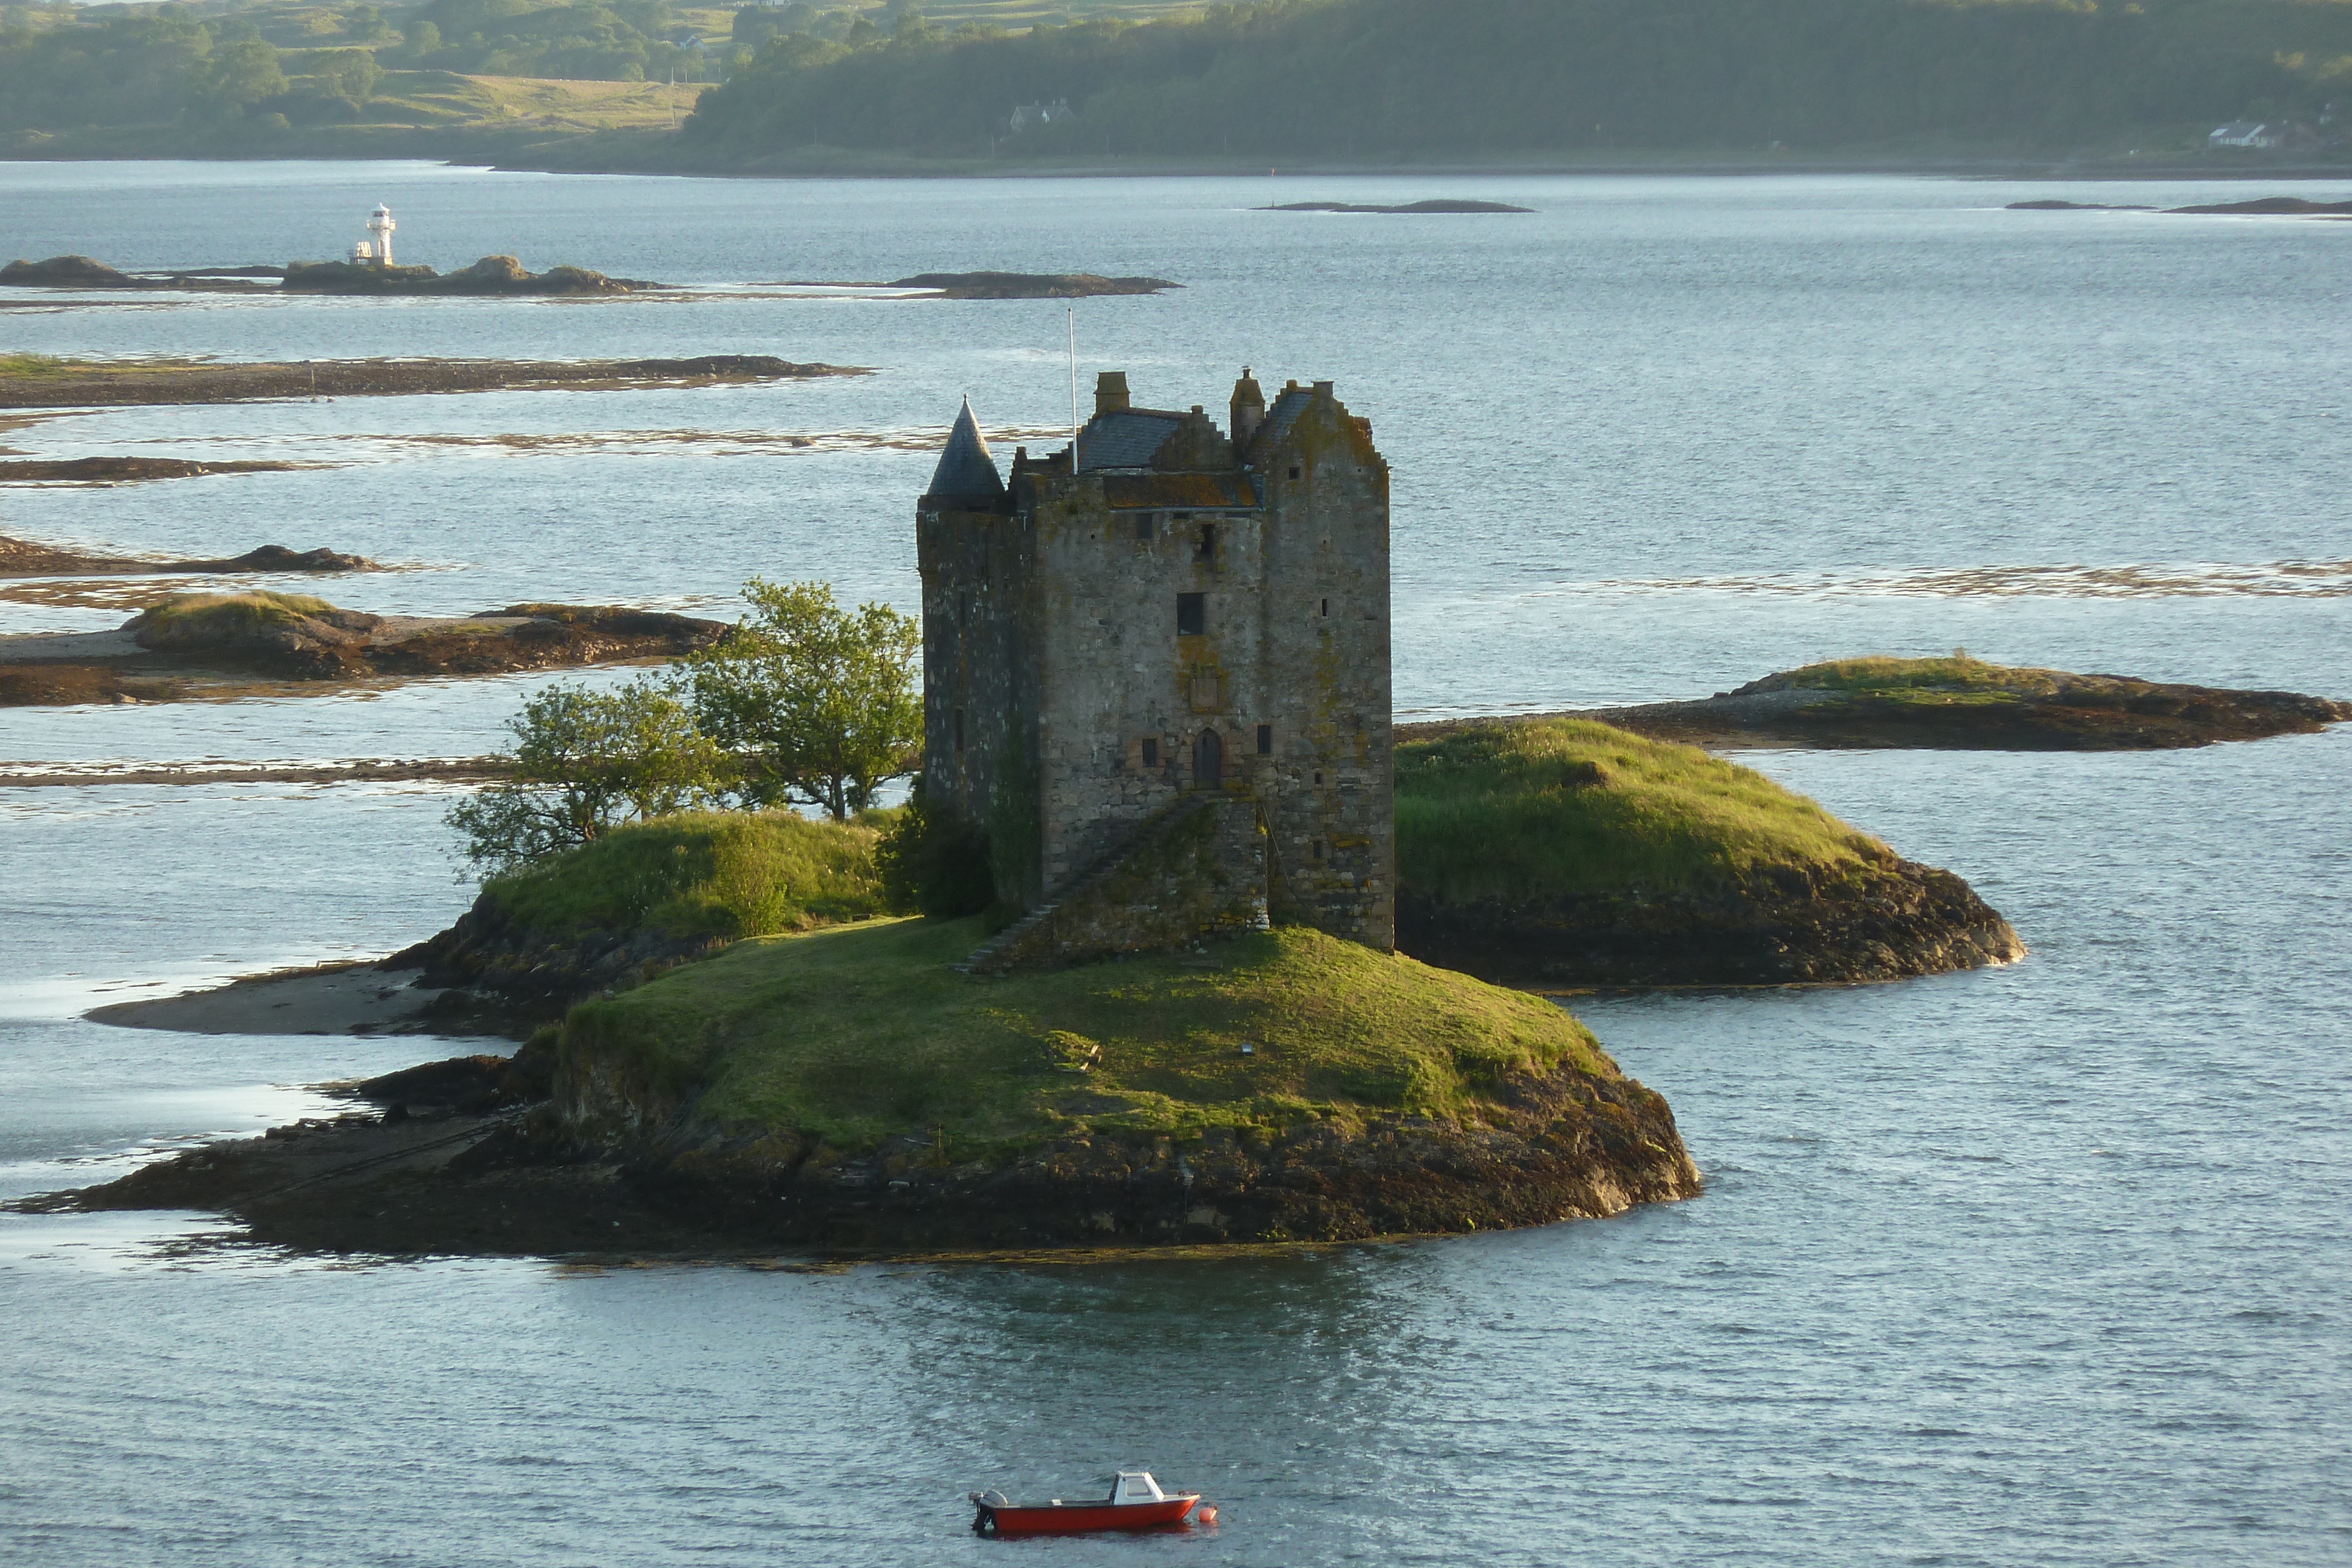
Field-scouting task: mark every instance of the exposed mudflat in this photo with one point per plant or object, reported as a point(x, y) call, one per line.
point(78, 383)
point(332, 999)
point(124, 470)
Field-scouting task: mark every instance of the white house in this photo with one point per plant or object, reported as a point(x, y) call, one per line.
point(2245, 133)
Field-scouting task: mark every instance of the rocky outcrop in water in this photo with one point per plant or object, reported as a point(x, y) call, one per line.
point(1029, 285)
point(493, 275)
point(22, 558)
point(1785, 925)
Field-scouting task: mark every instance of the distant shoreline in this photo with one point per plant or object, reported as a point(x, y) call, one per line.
point(616, 153)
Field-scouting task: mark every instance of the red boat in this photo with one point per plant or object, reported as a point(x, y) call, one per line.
point(1136, 1502)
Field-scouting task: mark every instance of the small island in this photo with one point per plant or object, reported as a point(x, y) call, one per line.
point(208, 646)
point(491, 275)
point(1965, 704)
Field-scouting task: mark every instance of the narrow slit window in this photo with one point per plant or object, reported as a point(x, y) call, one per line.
point(1326, 607)
point(1207, 546)
point(1191, 615)
point(1151, 753)
point(1265, 740)
point(1322, 849)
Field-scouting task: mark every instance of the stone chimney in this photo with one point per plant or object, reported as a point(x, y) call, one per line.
point(1110, 393)
point(1248, 409)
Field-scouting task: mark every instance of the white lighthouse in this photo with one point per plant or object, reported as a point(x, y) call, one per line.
point(379, 225)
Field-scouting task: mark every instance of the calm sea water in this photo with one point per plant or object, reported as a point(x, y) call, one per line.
point(2036, 1266)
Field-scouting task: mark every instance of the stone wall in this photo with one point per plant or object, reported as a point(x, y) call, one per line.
point(1200, 873)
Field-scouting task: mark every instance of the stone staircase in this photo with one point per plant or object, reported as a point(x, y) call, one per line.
point(985, 958)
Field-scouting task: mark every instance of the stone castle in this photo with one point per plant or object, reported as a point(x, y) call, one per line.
point(1156, 672)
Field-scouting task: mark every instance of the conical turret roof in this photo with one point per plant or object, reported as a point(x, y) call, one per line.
point(966, 471)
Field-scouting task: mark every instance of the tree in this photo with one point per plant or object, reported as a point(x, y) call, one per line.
point(352, 73)
point(812, 703)
point(243, 70)
point(585, 763)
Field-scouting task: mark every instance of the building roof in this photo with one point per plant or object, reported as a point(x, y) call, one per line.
point(1126, 439)
point(966, 471)
point(1277, 421)
point(1126, 492)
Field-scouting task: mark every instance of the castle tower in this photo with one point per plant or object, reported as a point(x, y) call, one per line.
point(1191, 624)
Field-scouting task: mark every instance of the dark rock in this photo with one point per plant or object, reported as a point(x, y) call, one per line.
point(492, 275)
point(1030, 285)
point(124, 470)
point(2072, 207)
point(1439, 205)
point(65, 272)
point(1785, 926)
point(2272, 207)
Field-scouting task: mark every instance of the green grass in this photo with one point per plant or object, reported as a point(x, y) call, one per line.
point(859, 1031)
point(727, 873)
point(1882, 676)
point(1566, 807)
point(34, 365)
point(187, 615)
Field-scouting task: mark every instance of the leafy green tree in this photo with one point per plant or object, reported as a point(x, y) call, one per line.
point(935, 865)
point(812, 703)
point(585, 763)
point(241, 71)
point(353, 73)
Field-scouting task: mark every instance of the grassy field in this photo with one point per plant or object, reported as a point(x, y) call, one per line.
point(725, 873)
point(1572, 807)
point(862, 1031)
point(447, 100)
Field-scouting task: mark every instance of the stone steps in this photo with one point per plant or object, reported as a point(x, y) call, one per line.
point(1146, 834)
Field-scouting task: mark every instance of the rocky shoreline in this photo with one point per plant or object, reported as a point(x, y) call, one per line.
point(152, 658)
point(80, 385)
point(23, 557)
point(1781, 926)
point(496, 1156)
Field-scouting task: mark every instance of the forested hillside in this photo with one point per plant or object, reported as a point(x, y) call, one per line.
point(1381, 78)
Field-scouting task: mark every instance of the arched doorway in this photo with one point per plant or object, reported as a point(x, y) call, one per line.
point(1209, 761)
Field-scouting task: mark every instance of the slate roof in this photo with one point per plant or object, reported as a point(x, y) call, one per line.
point(966, 471)
point(1126, 439)
point(1277, 422)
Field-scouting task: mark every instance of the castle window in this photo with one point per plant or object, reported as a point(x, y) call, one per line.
point(1326, 607)
point(1191, 615)
point(959, 729)
point(1151, 753)
point(1296, 471)
point(1265, 740)
point(1322, 849)
point(1143, 527)
point(1208, 547)
point(1318, 778)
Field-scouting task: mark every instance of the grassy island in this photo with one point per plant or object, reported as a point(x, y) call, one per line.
point(853, 1033)
point(1568, 852)
point(1961, 703)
